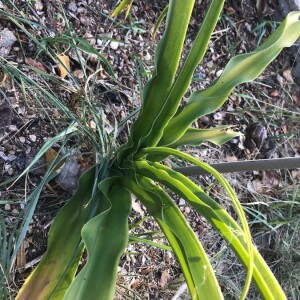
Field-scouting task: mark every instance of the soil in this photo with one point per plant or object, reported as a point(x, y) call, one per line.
point(266, 112)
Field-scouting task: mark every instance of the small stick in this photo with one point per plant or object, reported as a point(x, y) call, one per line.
point(243, 166)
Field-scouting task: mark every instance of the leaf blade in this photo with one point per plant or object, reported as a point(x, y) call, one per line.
point(189, 251)
point(55, 272)
point(210, 99)
point(98, 277)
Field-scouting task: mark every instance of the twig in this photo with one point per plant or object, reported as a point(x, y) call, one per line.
point(243, 166)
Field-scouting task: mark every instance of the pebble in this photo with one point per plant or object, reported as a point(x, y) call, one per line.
point(219, 73)
point(187, 210)
point(99, 42)
point(7, 38)
point(22, 139)
point(7, 206)
point(38, 5)
point(13, 128)
point(210, 64)
point(114, 45)
point(32, 137)
point(72, 7)
point(181, 202)
point(147, 56)
point(79, 74)
point(15, 212)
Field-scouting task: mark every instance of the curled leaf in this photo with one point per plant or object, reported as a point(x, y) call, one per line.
point(63, 65)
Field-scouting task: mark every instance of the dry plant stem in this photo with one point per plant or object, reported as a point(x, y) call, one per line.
point(242, 166)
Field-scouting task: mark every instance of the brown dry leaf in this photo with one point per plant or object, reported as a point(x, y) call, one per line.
point(263, 8)
point(49, 156)
point(34, 63)
point(287, 75)
point(63, 65)
point(3, 77)
point(21, 257)
point(164, 278)
point(268, 184)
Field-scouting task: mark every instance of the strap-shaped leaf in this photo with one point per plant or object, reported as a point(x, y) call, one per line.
point(167, 56)
point(159, 20)
point(221, 221)
point(193, 260)
point(148, 129)
point(105, 237)
point(240, 69)
point(230, 192)
point(57, 269)
point(185, 75)
point(125, 4)
point(195, 136)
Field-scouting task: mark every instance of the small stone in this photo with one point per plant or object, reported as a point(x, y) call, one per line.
point(79, 74)
point(38, 5)
point(13, 128)
point(15, 212)
point(7, 38)
point(93, 125)
point(114, 45)
point(147, 56)
point(22, 139)
point(7, 206)
point(210, 64)
point(181, 202)
point(93, 58)
point(218, 116)
point(32, 137)
point(10, 171)
point(72, 7)
point(219, 73)
point(187, 210)
point(99, 42)
point(90, 38)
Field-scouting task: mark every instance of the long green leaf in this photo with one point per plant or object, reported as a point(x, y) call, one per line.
point(191, 255)
point(230, 192)
point(240, 69)
point(167, 56)
point(57, 269)
point(105, 237)
point(221, 221)
point(185, 75)
point(159, 20)
point(121, 7)
point(195, 136)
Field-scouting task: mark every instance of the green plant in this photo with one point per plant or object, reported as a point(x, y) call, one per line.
point(96, 217)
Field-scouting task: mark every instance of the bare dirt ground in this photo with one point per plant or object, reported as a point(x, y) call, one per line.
point(266, 112)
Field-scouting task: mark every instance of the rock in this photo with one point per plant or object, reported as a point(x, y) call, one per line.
point(219, 73)
point(38, 5)
point(114, 45)
point(32, 137)
point(22, 139)
point(69, 175)
point(181, 202)
point(7, 38)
